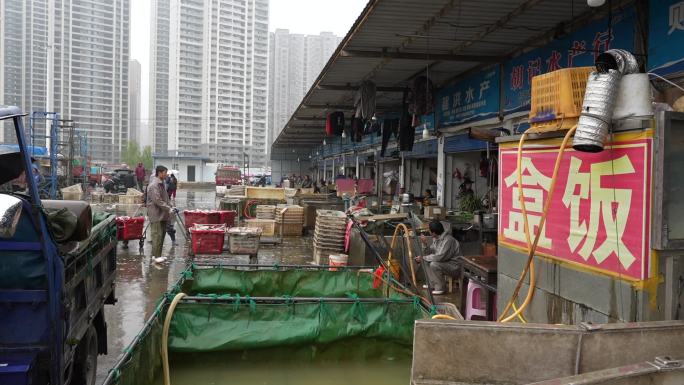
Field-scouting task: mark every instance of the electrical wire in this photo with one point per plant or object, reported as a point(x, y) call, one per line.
point(665, 80)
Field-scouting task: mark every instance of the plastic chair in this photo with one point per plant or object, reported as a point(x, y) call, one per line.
point(474, 303)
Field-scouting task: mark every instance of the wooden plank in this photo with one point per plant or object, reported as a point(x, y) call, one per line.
point(384, 217)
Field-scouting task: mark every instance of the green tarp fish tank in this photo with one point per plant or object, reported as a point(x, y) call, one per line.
point(277, 326)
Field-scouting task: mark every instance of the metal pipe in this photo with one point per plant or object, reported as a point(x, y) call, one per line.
point(123, 358)
point(219, 299)
point(276, 267)
point(597, 111)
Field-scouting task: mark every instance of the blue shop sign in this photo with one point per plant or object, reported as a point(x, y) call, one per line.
point(463, 143)
point(423, 149)
point(471, 99)
point(666, 31)
point(578, 49)
point(427, 120)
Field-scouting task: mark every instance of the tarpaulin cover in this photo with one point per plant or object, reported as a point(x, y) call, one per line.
point(274, 283)
point(228, 321)
point(22, 269)
point(225, 327)
point(202, 327)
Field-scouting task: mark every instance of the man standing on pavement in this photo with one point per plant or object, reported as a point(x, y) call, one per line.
point(140, 175)
point(158, 211)
point(443, 259)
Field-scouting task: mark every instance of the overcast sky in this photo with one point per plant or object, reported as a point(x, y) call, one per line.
point(299, 16)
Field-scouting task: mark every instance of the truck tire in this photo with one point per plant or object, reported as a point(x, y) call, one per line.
point(85, 365)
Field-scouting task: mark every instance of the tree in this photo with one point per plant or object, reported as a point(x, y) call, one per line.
point(146, 158)
point(131, 155)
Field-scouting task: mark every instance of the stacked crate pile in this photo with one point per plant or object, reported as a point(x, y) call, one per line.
point(290, 220)
point(329, 235)
point(265, 220)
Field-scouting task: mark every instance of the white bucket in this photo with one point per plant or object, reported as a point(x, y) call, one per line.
point(634, 97)
point(337, 260)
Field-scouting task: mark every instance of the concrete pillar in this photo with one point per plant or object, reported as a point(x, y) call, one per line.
point(357, 167)
point(441, 171)
point(325, 169)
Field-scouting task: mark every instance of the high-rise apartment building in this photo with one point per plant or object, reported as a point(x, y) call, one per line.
point(209, 79)
point(134, 101)
point(69, 57)
point(296, 61)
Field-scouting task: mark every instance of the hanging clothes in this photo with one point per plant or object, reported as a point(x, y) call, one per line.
point(407, 132)
point(356, 130)
point(336, 123)
point(422, 98)
point(389, 128)
point(372, 127)
point(328, 125)
point(365, 100)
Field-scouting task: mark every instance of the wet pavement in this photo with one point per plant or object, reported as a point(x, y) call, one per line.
point(140, 282)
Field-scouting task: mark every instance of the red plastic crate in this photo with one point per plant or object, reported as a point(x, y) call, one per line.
point(227, 217)
point(129, 228)
point(208, 239)
point(201, 217)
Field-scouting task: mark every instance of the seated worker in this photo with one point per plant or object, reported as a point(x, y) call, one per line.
point(427, 198)
point(443, 258)
point(307, 183)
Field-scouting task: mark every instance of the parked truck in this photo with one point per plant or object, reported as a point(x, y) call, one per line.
point(54, 283)
point(228, 176)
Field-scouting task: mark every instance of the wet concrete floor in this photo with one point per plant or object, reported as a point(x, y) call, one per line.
point(140, 282)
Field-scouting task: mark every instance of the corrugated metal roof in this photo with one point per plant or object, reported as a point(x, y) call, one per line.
point(476, 28)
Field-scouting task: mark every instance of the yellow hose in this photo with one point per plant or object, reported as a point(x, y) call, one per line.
point(444, 316)
point(531, 250)
point(410, 262)
point(165, 337)
point(520, 317)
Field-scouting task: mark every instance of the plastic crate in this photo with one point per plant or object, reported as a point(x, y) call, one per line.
point(201, 217)
point(273, 193)
point(244, 240)
point(556, 100)
point(129, 228)
point(131, 199)
point(208, 239)
point(227, 217)
point(290, 229)
point(267, 226)
point(72, 195)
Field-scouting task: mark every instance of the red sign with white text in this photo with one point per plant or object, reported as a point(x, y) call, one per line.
point(600, 210)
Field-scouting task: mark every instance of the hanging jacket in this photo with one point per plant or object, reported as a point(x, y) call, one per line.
point(328, 125)
point(336, 122)
point(407, 133)
point(365, 100)
point(422, 98)
point(356, 130)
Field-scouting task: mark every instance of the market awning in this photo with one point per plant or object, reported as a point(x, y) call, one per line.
point(393, 41)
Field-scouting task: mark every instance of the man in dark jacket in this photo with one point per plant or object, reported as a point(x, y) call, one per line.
point(140, 175)
point(158, 212)
point(171, 186)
